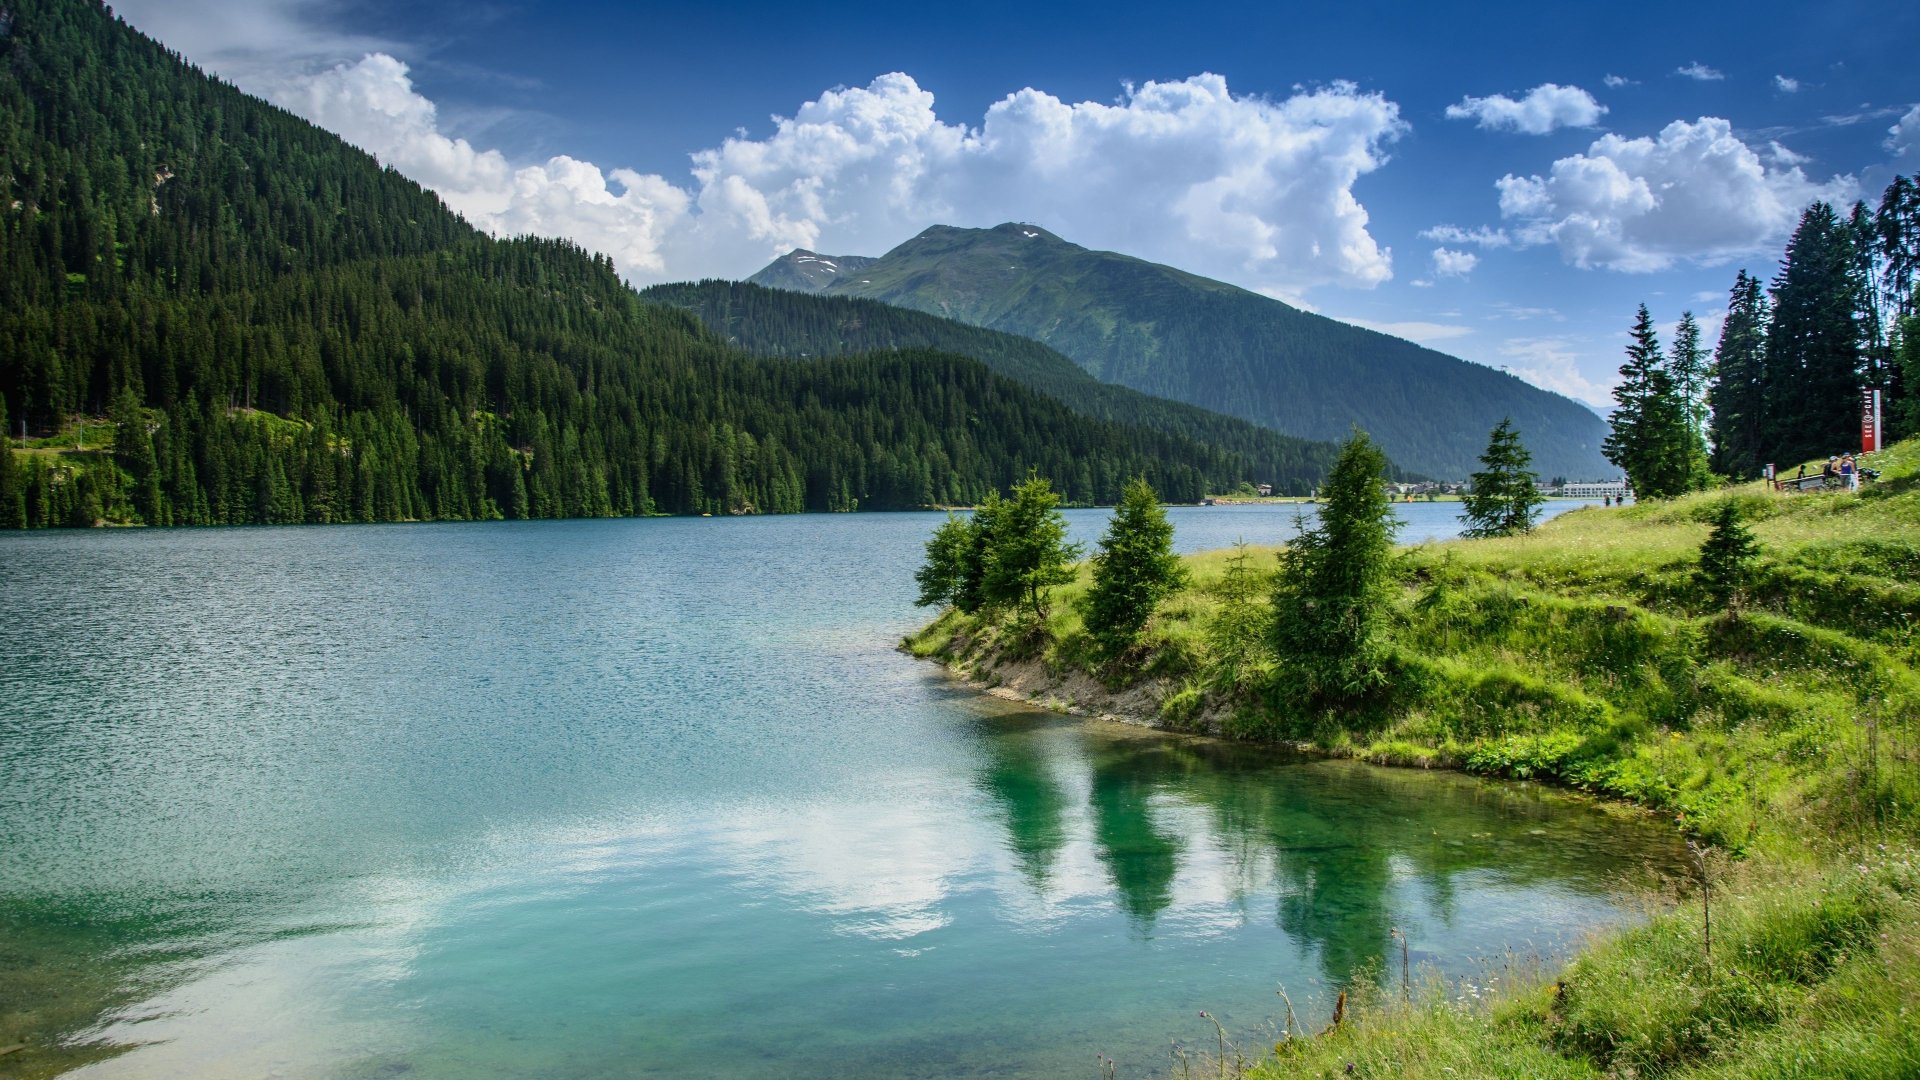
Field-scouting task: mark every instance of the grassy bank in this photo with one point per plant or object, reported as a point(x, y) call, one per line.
point(1783, 735)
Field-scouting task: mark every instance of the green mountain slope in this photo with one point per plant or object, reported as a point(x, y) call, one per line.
point(212, 311)
point(778, 322)
point(1189, 338)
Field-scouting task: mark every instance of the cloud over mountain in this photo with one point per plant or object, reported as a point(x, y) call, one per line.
point(1184, 171)
point(1695, 192)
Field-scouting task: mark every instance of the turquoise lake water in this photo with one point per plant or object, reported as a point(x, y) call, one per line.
point(658, 798)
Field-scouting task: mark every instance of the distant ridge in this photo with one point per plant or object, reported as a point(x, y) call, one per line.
point(778, 322)
point(1177, 335)
point(801, 270)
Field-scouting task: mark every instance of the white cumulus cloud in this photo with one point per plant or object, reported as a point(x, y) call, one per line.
point(1252, 189)
point(1543, 109)
point(373, 105)
point(1245, 188)
point(1614, 82)
point(1186, 172)
point(1450, 263)
point(1786, 85)
point(1694, 193)
point(1700, 72)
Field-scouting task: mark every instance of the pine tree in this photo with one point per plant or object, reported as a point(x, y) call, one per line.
point(1243, 620)
point(1735, 395)
point(1133, 571)
point(133, 449)
point(1332, 592)
point(1727, 557)
point(941, 577)
point(1897, 231)
point(13, 493)
point(1502, 499)
point(983, 526)
point(1650, 438)
point(1814, 356)
point(1687, 366)
point(1029, 552)
point(1897, 226)
point(1904, 412)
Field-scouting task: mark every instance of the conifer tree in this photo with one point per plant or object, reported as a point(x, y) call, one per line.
point(1897, 225)
point(1687, 366)
point(1650, 437)
point(1241, 624)
point(1502, 499)
point(133, 449)
point(13, 494)
point(1133, 570)
point(1029, 552)
point(1727, 557)
point(1735, 395)
point(1897, 231)
point(942, 575)
point(1332, 592)
point(1814, 354)
point(983, 530)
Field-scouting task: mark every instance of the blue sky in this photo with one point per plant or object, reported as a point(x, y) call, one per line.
point(1503, 182)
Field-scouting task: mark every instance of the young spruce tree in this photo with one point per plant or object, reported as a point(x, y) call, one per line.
point(1727, 557)
point(1502, 500)
point(1133, 570)
point(1333, 589)
point(1028, 553)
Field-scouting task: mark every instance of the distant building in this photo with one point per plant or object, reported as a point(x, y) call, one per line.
point(1265, 489)
point(1615, 488)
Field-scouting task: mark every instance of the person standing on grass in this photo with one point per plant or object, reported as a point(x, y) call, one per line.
point(1849, 473)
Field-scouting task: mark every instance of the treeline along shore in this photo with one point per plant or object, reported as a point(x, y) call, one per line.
point(1740, 660)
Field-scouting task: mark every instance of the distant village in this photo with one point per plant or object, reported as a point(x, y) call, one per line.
point(1558, 488)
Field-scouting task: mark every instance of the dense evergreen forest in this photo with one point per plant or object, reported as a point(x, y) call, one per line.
point(1842, 315)
point(780, 322)
point(214, 312)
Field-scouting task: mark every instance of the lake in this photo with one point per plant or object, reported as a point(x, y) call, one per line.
point(659, 798)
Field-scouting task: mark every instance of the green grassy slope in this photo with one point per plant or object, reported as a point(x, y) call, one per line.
point(1177, 335)
point(1785, 736)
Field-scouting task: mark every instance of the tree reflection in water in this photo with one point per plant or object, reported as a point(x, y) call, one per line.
point(1347, 852)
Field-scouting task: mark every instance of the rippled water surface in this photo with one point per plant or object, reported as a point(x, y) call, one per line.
point(657, 798)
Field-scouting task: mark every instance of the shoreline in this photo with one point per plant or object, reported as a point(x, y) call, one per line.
point(1029, 682)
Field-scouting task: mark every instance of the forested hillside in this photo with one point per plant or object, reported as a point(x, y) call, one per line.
point(779, 322)
point(213, 312)
point(1177, 335)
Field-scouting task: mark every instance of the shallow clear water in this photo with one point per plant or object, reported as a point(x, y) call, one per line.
point(658, 798)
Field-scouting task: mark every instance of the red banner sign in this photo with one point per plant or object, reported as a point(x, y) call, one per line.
point(1869, 420)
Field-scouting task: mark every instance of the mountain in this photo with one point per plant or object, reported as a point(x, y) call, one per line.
point(214, 312)
point(804, 271)
point(1178, 335)
point(778, 322)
